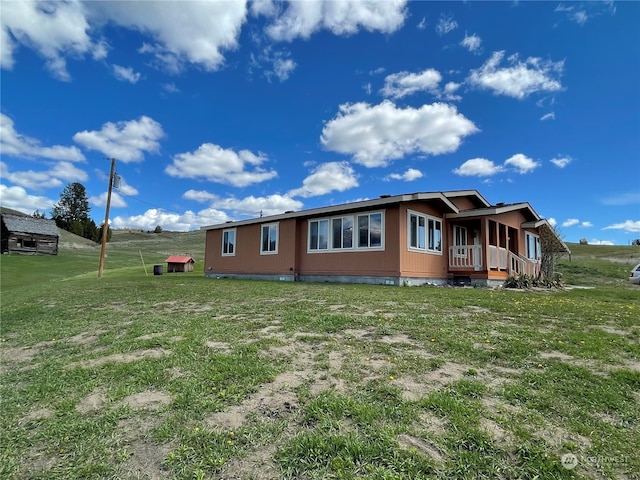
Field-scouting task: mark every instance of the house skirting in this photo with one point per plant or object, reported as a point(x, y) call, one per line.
point(360, 279)
point(252, 276)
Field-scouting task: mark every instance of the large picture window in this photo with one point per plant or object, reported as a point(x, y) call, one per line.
point(425, 233)
point(229, 242)
point(269, 243)
point(363, 231)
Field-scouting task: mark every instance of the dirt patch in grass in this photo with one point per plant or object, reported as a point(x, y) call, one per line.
point(422, 446)
point(555, 355)
point(94, 401)
point(150, 336)
point(24, 354)
point(122, 358)
point(221, 347)
point(145, 458)
point(148, 400)
point(432, 424)
point(610, 329)
point(40, 414)
point(257, 465)
point(85, 338)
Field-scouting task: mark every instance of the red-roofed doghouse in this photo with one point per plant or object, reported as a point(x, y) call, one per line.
point(180, 263)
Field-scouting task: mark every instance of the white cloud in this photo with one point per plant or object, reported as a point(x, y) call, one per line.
point(580, 17)
point(377, 71)
point(409, 176)
point(327, 177)
point(401, 84)
point(548, 116)
point(179, 222)
point(561, 162)
point(15, 144)
point(423, 24)
point(449, 91)
point(54, 29)
point(471, 43)
point(101, 200)
point(570, 222)
point(212, 162)
point(522, 163)
point(183, 32)
point(478, 167)
point(630, 226)
point(600, 242)
point(520, 79)
point(276, 64)
point(249, 206)
point(17, 198)
point(375, 135)
point(446, 24)
point(552, 221)
point(126, 74)
point(367, 88)
point(125, 141)
point(586, 224)
point(627, 198)
point(170, 88)
point(341, 17)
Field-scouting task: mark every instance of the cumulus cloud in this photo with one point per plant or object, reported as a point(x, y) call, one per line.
point(125, 141)
point(570, 222)
point(561, 162)
point(472, 43)
point(17, 198)
point(630, 226)
point(375, 135)
point(178, 222)
point(521, 163)
point(552, 221)
point(449, 91)
point(274, 63)
point(401, 84)
point(182, 33)
point(216, 164)
point(446, 24)
point(15, 144)
point(126, 74)
point(101, 200)
point(520, 79)
point(53, 29)
point(409, 176)
point(548, 116)
point(586, 224)
point(341, 17)
point(478, 167)
point(327, 177)
point(250, 206)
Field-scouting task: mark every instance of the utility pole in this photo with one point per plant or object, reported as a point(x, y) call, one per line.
point(105, 226)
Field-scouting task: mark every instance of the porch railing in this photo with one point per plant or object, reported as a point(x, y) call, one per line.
point(519, 265)
point(497, 257)
point(465, 257)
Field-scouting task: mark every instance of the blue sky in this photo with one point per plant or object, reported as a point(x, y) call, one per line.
point(221, 110)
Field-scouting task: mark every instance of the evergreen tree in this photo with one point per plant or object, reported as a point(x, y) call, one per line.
point(71, 213)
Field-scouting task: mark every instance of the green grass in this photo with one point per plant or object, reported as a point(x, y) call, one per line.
point(178, 376)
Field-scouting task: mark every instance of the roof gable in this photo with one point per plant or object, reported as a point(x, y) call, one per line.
point(24, 224)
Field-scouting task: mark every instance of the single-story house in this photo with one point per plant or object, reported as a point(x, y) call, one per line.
point(180, 263)
point(410, 239)
point(24, 234)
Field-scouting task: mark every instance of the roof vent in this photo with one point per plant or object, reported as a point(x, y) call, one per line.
point(500, 204)
point(229, 221)
point(385, 196)
point(288, 211)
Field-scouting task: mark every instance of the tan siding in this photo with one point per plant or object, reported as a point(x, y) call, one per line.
point(248, 259)
point(463, 203)
point(360, 262)
point(418, 264)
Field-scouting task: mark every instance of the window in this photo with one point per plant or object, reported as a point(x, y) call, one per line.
point(269, 242)
point(459, 239)
point(319, 235)
point(342, 232)
point(370, 230)
point(425, 233)
point(533, 246)
point(229, 242)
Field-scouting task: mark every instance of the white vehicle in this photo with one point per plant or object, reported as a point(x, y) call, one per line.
point(634, 276)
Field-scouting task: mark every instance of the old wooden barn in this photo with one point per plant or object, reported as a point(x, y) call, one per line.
point(22, 234)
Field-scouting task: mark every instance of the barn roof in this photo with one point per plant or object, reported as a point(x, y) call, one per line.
point(180, 259)
point(38, 226)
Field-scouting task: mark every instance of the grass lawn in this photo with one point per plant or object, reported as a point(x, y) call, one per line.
point(178, 376)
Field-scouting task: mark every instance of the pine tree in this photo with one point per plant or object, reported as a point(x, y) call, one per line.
point(71, 213)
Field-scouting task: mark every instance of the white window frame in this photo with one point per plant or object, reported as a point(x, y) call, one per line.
point(422, 242)
point(460, 233)
point(227, 232)
point(317, 245)
point(532, 237)
point(355, 233)
point(269, 226)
